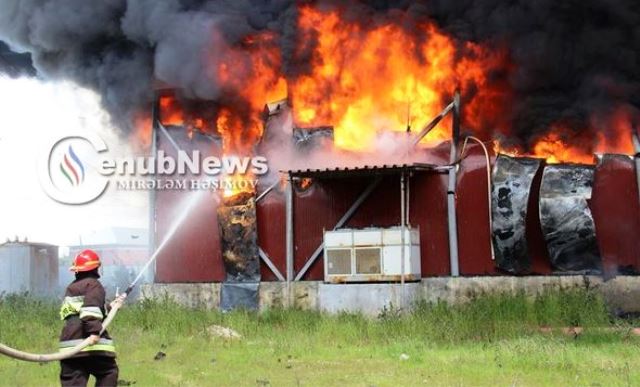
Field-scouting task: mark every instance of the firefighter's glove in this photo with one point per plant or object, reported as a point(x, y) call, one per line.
point(119, 300)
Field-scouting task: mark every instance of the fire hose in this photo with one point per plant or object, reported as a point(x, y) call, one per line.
point(42, 358)
point(115, 306)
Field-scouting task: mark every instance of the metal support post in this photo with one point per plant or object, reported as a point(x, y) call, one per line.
point(155, 119)
point(451, 190)
point(403, 223)
point(636, 158)
point(289, 240)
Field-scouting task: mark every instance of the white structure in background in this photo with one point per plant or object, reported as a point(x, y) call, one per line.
point(123, 252)
point(29, 267)
point(371, 255)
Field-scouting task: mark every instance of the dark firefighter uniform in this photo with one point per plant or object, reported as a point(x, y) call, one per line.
point(83, 310)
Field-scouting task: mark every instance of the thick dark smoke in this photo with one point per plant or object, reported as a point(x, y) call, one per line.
point(125, 49)
point(14, 64)
point(571, 60)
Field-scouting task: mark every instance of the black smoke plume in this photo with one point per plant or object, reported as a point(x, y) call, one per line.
point(571, 60)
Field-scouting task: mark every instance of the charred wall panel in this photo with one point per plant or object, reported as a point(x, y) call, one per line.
point(472, 208)
point(616, 213)
point(193, 253)
point(239, 246)
point(540, 262)
point(566, 220)
point(239, 238)
point(512, 180)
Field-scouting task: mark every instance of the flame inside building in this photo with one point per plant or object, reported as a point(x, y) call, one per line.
point(543, 207)
point(384, 76)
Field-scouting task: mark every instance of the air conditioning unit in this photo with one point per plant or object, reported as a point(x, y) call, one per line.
point(371, 255)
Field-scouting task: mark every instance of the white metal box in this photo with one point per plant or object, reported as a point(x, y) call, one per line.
point(372, 255)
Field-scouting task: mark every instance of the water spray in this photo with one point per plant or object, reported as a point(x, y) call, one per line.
point(188, 207)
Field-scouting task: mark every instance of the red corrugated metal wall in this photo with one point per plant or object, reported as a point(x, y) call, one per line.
point(616, 212)
point(272, 232)
point(323, 205)
point(474, 234)
point(428, 210)
point(193, 255)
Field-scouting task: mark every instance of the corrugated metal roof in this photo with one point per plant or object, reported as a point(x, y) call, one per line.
point(363, 170)
point(25, 243)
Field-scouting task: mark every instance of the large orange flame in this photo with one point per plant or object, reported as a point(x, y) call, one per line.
point(250, 76)
point(366, 79)
point(369, 79)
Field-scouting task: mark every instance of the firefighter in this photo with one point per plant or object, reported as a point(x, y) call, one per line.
point(83, 310)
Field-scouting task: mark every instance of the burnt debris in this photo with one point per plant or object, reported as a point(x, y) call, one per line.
point(239, 237)
point(312, 137)
point(239, 246)
point(566, 220)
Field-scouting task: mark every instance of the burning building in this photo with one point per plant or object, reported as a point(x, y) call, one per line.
point(377, 184)
point(380, 170)
point(461, 211)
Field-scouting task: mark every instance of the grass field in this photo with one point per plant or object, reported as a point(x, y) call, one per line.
point(492, 341)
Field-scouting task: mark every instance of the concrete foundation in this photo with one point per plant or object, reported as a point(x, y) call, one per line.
point(198, 295)
point(622, 293)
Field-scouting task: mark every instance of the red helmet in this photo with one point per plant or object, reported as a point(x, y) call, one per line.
point(87, 260)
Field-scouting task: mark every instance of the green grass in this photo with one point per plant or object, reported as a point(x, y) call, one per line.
point(493, 340)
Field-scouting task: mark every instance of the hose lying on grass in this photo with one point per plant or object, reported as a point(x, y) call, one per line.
point(42, 358)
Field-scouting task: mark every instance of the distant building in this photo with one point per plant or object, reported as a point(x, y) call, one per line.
point(123, 252)
point(27, 267)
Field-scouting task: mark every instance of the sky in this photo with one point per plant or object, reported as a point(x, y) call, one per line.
point(32, 112)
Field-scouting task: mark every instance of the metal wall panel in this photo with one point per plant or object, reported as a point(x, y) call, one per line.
point(428, 211)
point(29, 267)
point(320, 208)
point(566, 219)
point(512, 181)
point(616, 212)
point(43, 269)
point(193, 253)
point(472, 209)
point(272, 231)
point(473, 220)
point(14, 268)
